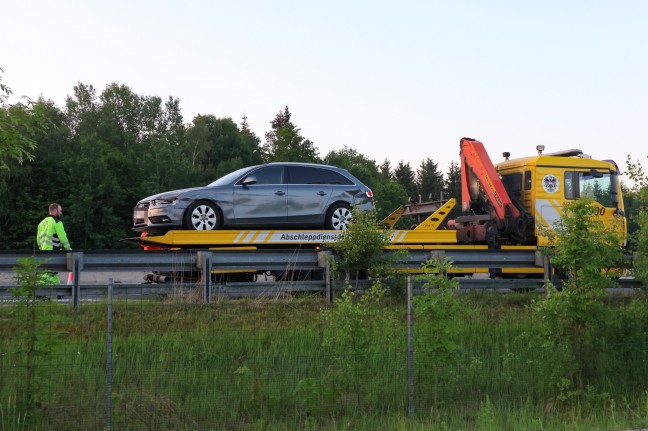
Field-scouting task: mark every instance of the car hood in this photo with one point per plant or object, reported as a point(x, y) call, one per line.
point(171, 194)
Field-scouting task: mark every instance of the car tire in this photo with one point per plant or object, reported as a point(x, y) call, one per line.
point(338, 217)
point(202, 215)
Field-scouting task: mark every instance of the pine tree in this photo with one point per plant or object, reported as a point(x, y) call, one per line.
point(404, 175)
point(452, 187)
point(285, 143)
point(429, 181)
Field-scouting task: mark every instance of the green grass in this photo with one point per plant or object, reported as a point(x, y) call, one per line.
point(256, 364)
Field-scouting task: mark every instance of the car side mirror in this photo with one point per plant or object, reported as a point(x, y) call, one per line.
point(248, 181)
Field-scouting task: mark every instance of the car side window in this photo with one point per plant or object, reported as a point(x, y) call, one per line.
point(305, 175)
point(332, 177)
point(268, 175)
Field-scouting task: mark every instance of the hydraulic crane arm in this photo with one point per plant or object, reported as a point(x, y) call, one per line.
point(480, 181)
point(485, 201)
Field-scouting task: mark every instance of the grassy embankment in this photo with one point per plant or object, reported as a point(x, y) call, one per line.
point(264, 364)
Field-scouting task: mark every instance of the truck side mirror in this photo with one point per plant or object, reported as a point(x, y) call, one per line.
point(596, 174)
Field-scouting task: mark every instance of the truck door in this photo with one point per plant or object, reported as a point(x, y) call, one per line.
point(555, 190)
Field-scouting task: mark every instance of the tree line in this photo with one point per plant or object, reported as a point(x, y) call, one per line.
point(104, 151)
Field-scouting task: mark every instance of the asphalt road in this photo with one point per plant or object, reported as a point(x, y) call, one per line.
point(119, 277)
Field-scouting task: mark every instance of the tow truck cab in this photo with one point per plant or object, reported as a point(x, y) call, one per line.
point(546, 182)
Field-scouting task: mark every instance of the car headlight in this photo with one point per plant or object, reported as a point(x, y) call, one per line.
point(162, 202)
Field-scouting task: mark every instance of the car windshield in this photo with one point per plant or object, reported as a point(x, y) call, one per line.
point(230, 178)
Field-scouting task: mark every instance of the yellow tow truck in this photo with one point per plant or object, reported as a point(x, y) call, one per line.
point(505, 206)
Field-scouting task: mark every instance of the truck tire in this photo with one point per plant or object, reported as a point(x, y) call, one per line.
point(338, 217)
point(202, 215)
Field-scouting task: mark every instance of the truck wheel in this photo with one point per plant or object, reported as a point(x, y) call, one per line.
point(201, 215)
point(338, 217)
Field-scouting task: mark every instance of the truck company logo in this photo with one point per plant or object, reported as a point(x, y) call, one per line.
point(310, 237)
point(273, 237)
point(550, 183)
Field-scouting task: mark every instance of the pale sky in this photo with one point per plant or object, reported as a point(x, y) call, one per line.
point(398, 80)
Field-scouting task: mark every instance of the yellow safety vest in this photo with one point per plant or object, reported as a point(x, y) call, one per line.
point(51, 235)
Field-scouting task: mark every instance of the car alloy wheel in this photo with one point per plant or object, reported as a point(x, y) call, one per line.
point(339, 217)
point(202, 216)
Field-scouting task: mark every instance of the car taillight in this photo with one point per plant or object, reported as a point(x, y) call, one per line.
point(369, 193)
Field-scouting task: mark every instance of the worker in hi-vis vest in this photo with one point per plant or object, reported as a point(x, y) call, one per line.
point(51, 236)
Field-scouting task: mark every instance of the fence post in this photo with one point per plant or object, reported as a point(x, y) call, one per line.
point(204, 263)
point(109, 359)
point(410, 346)
point(75, 265)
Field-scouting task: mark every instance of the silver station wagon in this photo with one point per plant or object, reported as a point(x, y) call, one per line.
point(274, 195)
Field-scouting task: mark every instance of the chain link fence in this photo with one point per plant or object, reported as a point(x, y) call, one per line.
point(275, 363)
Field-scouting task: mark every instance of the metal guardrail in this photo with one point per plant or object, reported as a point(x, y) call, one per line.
point(167, 260)
point(231, 260)
point(202, 261)
point(499, 259)
point(206, 261)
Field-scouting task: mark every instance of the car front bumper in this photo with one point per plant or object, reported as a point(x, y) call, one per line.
point(157, 218)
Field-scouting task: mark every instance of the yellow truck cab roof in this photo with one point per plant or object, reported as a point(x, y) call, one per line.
point(564, 159)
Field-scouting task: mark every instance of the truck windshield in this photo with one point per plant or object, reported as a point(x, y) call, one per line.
point(601, 186)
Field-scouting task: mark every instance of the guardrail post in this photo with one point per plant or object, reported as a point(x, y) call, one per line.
point(548, 270)
point(75, 265)
point(324, 261)
point(204, 263)
point(542, 260)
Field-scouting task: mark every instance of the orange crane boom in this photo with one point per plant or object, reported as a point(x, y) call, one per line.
point(487, 208)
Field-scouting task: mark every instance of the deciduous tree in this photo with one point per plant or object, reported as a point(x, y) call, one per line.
point(636, 204)
point(585, 251)
point(18, 124)
point(126, 146)
point(357, 164)
point(217, 146)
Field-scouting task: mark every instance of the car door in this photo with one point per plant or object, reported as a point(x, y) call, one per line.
point(308, 195)
point(260, 198)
